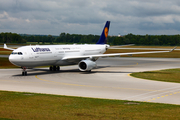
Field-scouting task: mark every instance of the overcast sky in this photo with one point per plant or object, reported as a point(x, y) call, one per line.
point(89, 16)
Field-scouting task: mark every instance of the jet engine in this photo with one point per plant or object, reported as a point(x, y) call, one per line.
point(86, 65)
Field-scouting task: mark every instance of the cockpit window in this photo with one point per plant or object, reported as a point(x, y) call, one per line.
point(19, 53)
point(16, 53)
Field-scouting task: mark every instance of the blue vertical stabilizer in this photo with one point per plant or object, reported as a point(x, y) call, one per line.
point(104, 35)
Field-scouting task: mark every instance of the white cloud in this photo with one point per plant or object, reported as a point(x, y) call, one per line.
point(88, 17)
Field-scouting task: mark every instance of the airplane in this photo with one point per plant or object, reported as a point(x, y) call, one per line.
point(84, 56)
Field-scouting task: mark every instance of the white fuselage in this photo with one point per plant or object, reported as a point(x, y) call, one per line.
point(41, 55)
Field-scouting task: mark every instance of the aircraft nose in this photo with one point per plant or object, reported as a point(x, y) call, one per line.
point(11, 58)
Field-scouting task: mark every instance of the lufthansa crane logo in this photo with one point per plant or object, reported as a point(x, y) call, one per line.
point(106, 32)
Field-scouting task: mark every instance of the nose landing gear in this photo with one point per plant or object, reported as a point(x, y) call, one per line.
point(24, 72)
point(51, 68)
point(54, 68)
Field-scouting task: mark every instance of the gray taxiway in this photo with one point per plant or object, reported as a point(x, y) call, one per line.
point(110, 80)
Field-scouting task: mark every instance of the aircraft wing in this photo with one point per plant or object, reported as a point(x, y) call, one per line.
point(75, 57)
point(113, 54)
point(5, 47)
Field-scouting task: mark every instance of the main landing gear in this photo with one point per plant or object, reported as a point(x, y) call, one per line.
point(24, 72)
point(54, 68)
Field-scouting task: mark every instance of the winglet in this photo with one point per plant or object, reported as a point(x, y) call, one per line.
point(173, 49)
point(5, 47)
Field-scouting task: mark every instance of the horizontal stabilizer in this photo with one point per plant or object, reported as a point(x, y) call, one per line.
point(5, 47)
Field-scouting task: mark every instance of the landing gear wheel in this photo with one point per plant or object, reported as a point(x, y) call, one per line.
point(58, 68)
point(50, 68)
point(54, 68)
point(24, 72)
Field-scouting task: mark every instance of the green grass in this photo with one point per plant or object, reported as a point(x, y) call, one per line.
point(4, 63)
point(169, 75)
point(4, 51)
point(136, 46)
point(15, 105)
point(173, 54)
point(24, 106)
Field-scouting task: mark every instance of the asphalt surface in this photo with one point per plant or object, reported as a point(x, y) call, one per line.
point(110, 80)
point(4, 56)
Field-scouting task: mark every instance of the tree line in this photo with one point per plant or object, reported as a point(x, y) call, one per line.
point(66, 38)
point(148, 40)
point(11, 38)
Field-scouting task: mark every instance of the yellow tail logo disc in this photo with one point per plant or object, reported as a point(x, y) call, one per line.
point(106, 32)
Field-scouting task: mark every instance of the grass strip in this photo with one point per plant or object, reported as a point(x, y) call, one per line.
point(173, 54)
point(5, 52)
point(168, 75)
point(16, 105)
point(136, 46)
point(4, 63)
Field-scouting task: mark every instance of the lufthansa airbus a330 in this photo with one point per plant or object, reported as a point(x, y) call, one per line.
point(62, 55)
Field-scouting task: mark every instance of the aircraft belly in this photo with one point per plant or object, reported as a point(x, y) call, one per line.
point(67, 62)
point(34, 63)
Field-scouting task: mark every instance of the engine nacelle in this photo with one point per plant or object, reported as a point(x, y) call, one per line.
point(86, 65)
